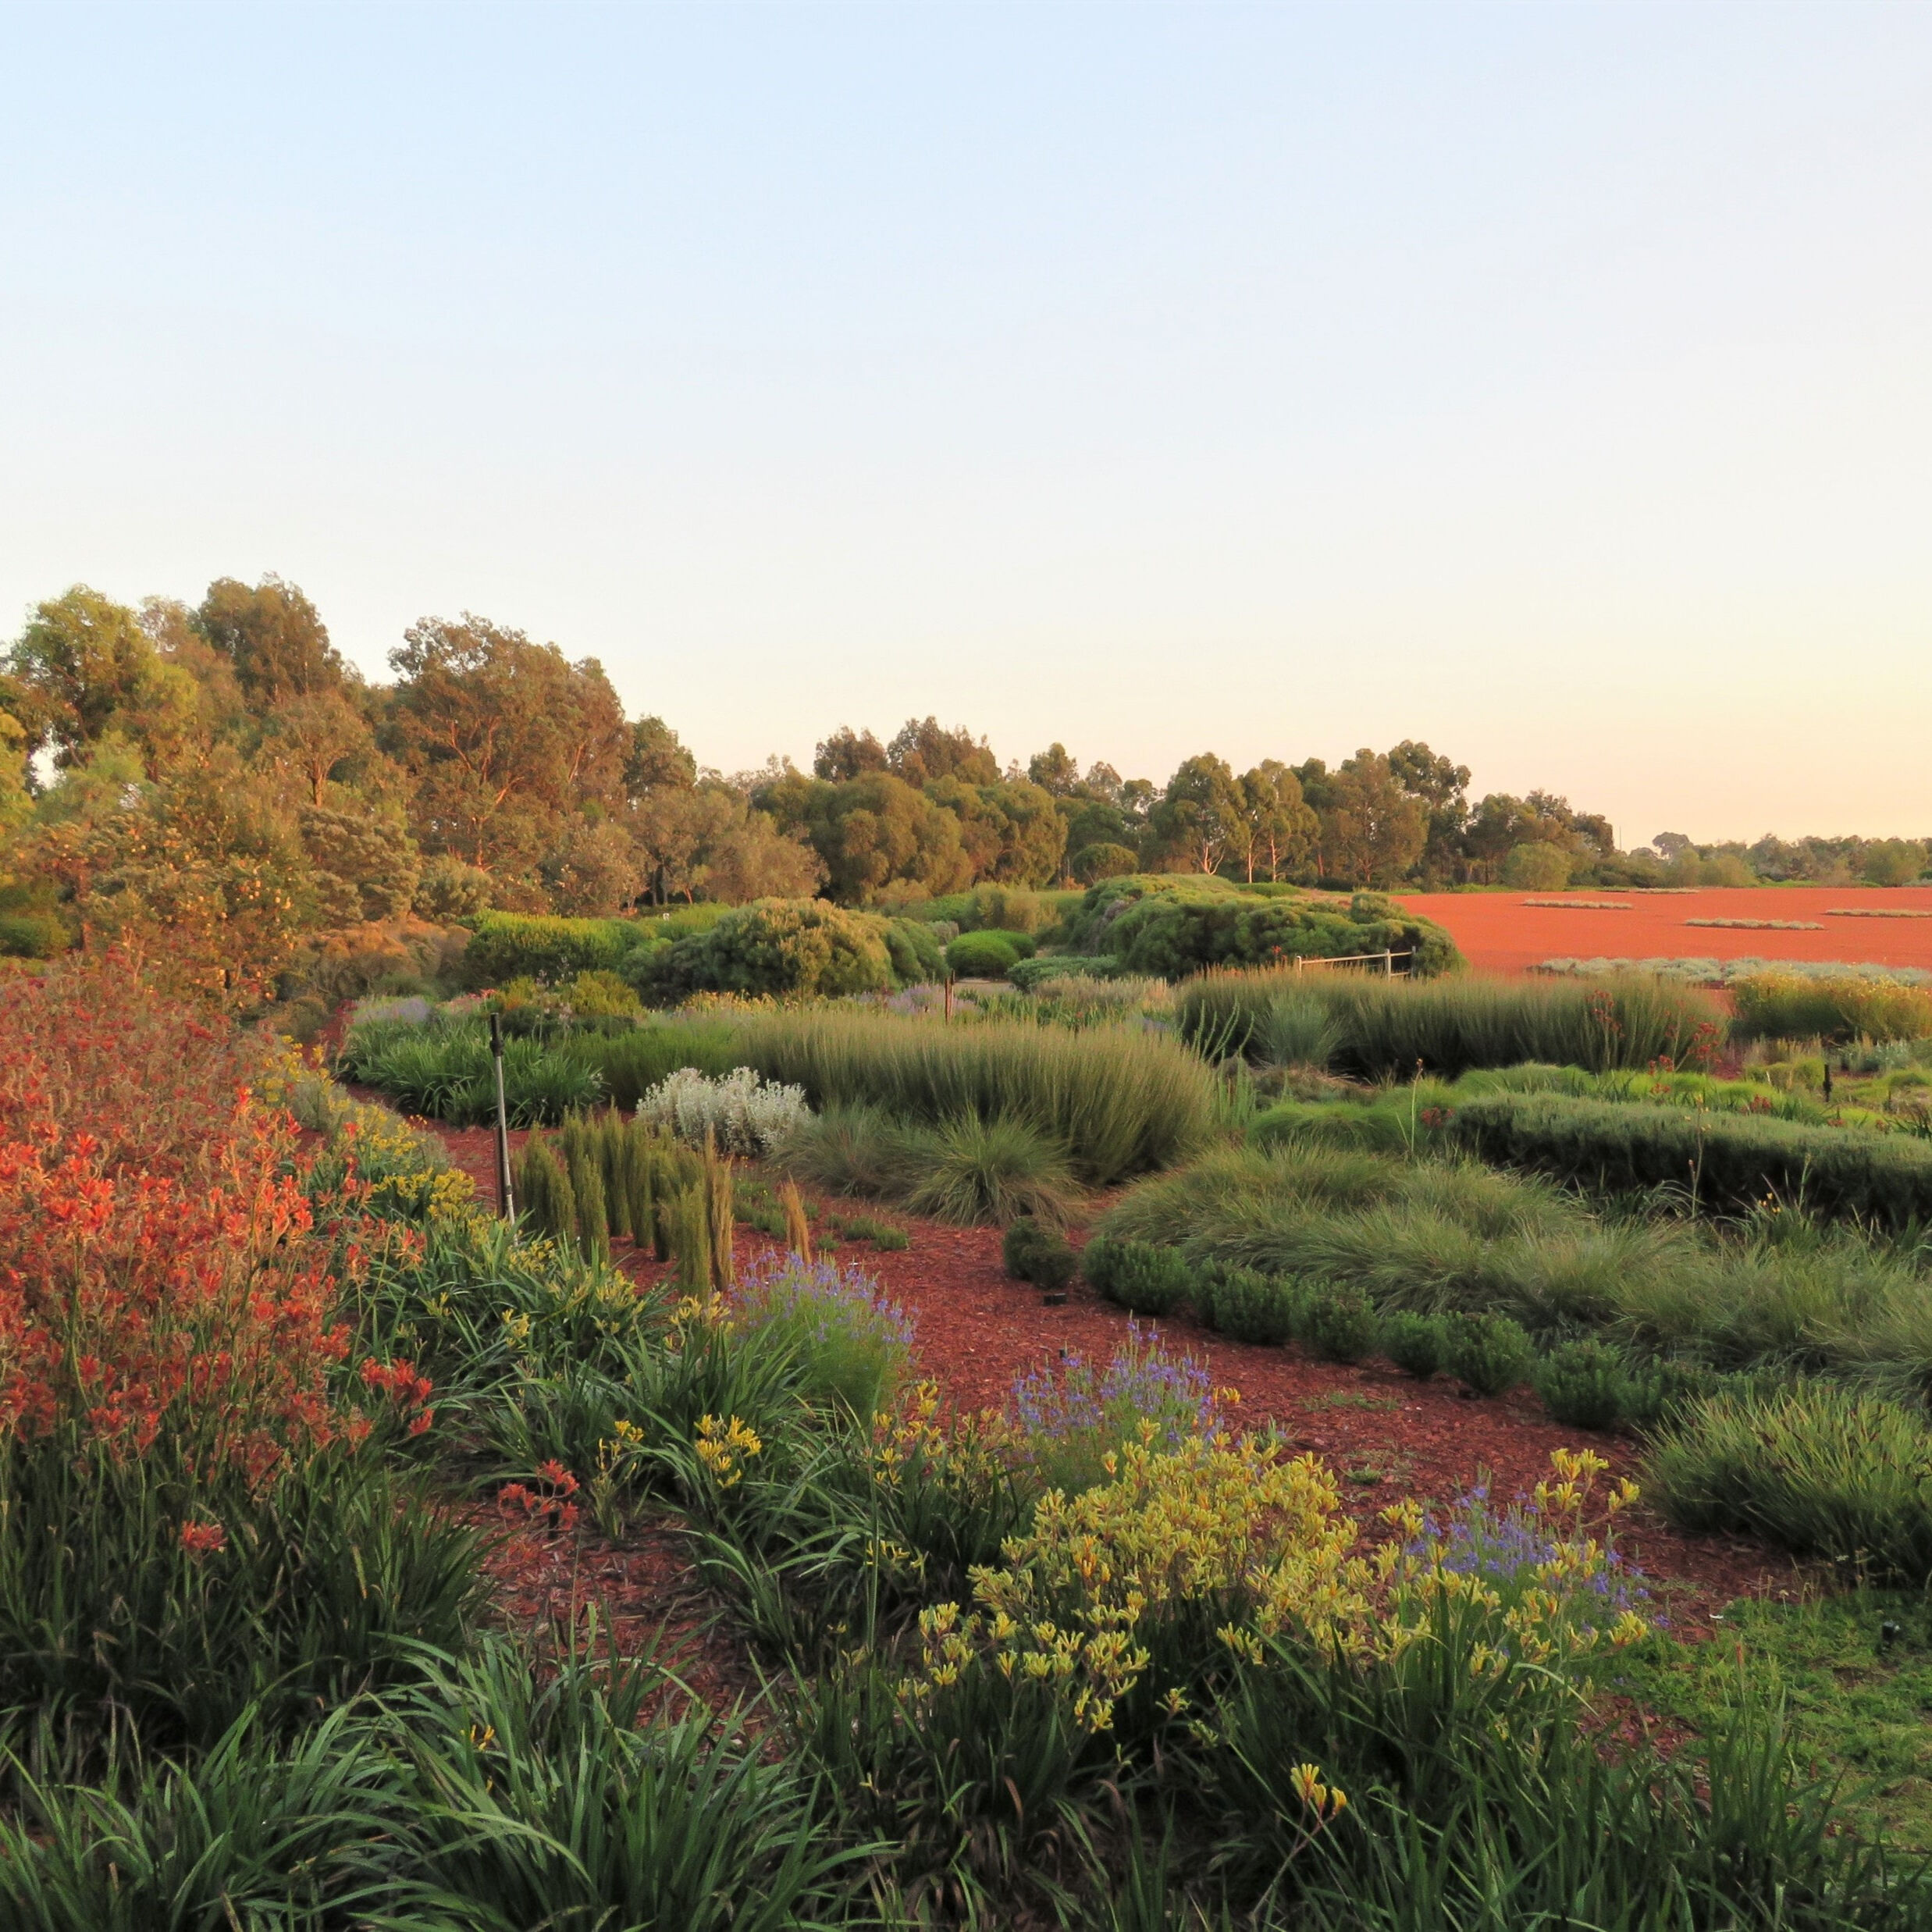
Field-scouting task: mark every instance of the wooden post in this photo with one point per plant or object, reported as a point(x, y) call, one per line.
point(506, 1197)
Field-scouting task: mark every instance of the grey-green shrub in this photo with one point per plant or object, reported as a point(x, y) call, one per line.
point(1821, 1469)
point(1490, 1352)
point(1340, 1324)
point(806, 947)
point(1415, 1343)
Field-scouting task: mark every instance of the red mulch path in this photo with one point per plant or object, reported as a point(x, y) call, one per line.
point(1497, 933)
point(978, 1331)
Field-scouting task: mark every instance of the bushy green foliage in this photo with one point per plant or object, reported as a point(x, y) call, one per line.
point(628, 1064)
point(1389, 1027)
point(1584, 1384)
point(1247, 1306)
point(1035, 1251)
point(1028, 974)
point(517, 945)
point(1803, 1006)
point(1416, 1344)
point(1726, 1161)
point(443, 1070)
point(1491, 1353)
point(1116, 1102)
point(778, 947)
point(1142, 1277)
point(1822, 1470)
point(983, 955)
point(1178, 924)
point(1340, 1324)
point(917, 955)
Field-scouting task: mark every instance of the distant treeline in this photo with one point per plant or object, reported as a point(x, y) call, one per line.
point(214, 781)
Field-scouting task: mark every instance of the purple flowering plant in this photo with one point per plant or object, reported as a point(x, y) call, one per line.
point(853, 1344)
point(1068, 1415)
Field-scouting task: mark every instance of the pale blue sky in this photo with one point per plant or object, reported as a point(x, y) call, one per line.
point(1552, 384)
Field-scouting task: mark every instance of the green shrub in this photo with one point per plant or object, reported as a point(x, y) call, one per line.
point(31, 936)
point(545, 1196)
point(805, 946)
point(442, 1071)
point(1802, 1006)
point(1339, 1324)
point(517, 945)
point(1388, 1028)
point(917, 955)
point(628, 1064)
point(1490, 1352)
point(1416, 1344)
point(1583, 1384)
point(1723, 1160)
point(1247, 1306)
point(1035, 1251)
point(1118, 1101)
point(1028, 974)
point(1820, 1469)
point(983, 956)
point(1175, 925)
point(1142, 1278)
point(1103, 860)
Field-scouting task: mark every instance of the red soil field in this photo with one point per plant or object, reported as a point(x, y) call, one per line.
point(1498, 933)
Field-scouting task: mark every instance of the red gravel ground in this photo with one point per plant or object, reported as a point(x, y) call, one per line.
point(1497, 933)
point(978, 1331)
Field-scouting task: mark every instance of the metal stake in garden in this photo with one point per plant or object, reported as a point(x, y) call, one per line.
point(506, 1198)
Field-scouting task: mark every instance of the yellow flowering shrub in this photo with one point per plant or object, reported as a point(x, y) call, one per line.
point(1232, 1521)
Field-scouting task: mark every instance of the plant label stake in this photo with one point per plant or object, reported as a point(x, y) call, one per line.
point(506, 1199)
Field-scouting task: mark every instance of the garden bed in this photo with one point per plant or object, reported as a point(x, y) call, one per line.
point(979, 1331)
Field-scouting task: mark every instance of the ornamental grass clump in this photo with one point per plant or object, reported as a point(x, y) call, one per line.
point(1070, 1415)
point(852, 1345)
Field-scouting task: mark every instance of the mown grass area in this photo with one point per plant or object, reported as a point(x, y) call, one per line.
point(1853, 1674)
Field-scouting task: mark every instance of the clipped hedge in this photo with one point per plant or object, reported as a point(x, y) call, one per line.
point(776, 947)
point(1729, 1160)
point(987, 955)
point(1387, 1027)
point(528, 945)
point(1174, 925)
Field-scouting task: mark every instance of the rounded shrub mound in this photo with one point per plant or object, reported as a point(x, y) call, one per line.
point(1036, 1252)
point(1140, 1276)
point(779, 946)
point(1340, 1325)
point(1583, 1384)
point(990, 954)
point(1248, 1306)
point(1488, 1352)
point(1415, 1343)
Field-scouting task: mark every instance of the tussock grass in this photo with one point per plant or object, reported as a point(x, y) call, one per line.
point(1389, 1027)
point(1120, 1103)
point(1824, 1471)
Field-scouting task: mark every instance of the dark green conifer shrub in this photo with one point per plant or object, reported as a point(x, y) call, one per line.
point(1247, 1306)
point(1034, 1252)
point(1415, 1343)
point(1340, 1324)
point(1490, 1352)
point(1138, 1275)
point(1582, 1384)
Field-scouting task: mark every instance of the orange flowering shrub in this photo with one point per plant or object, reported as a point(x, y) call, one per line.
point(161, 1271)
